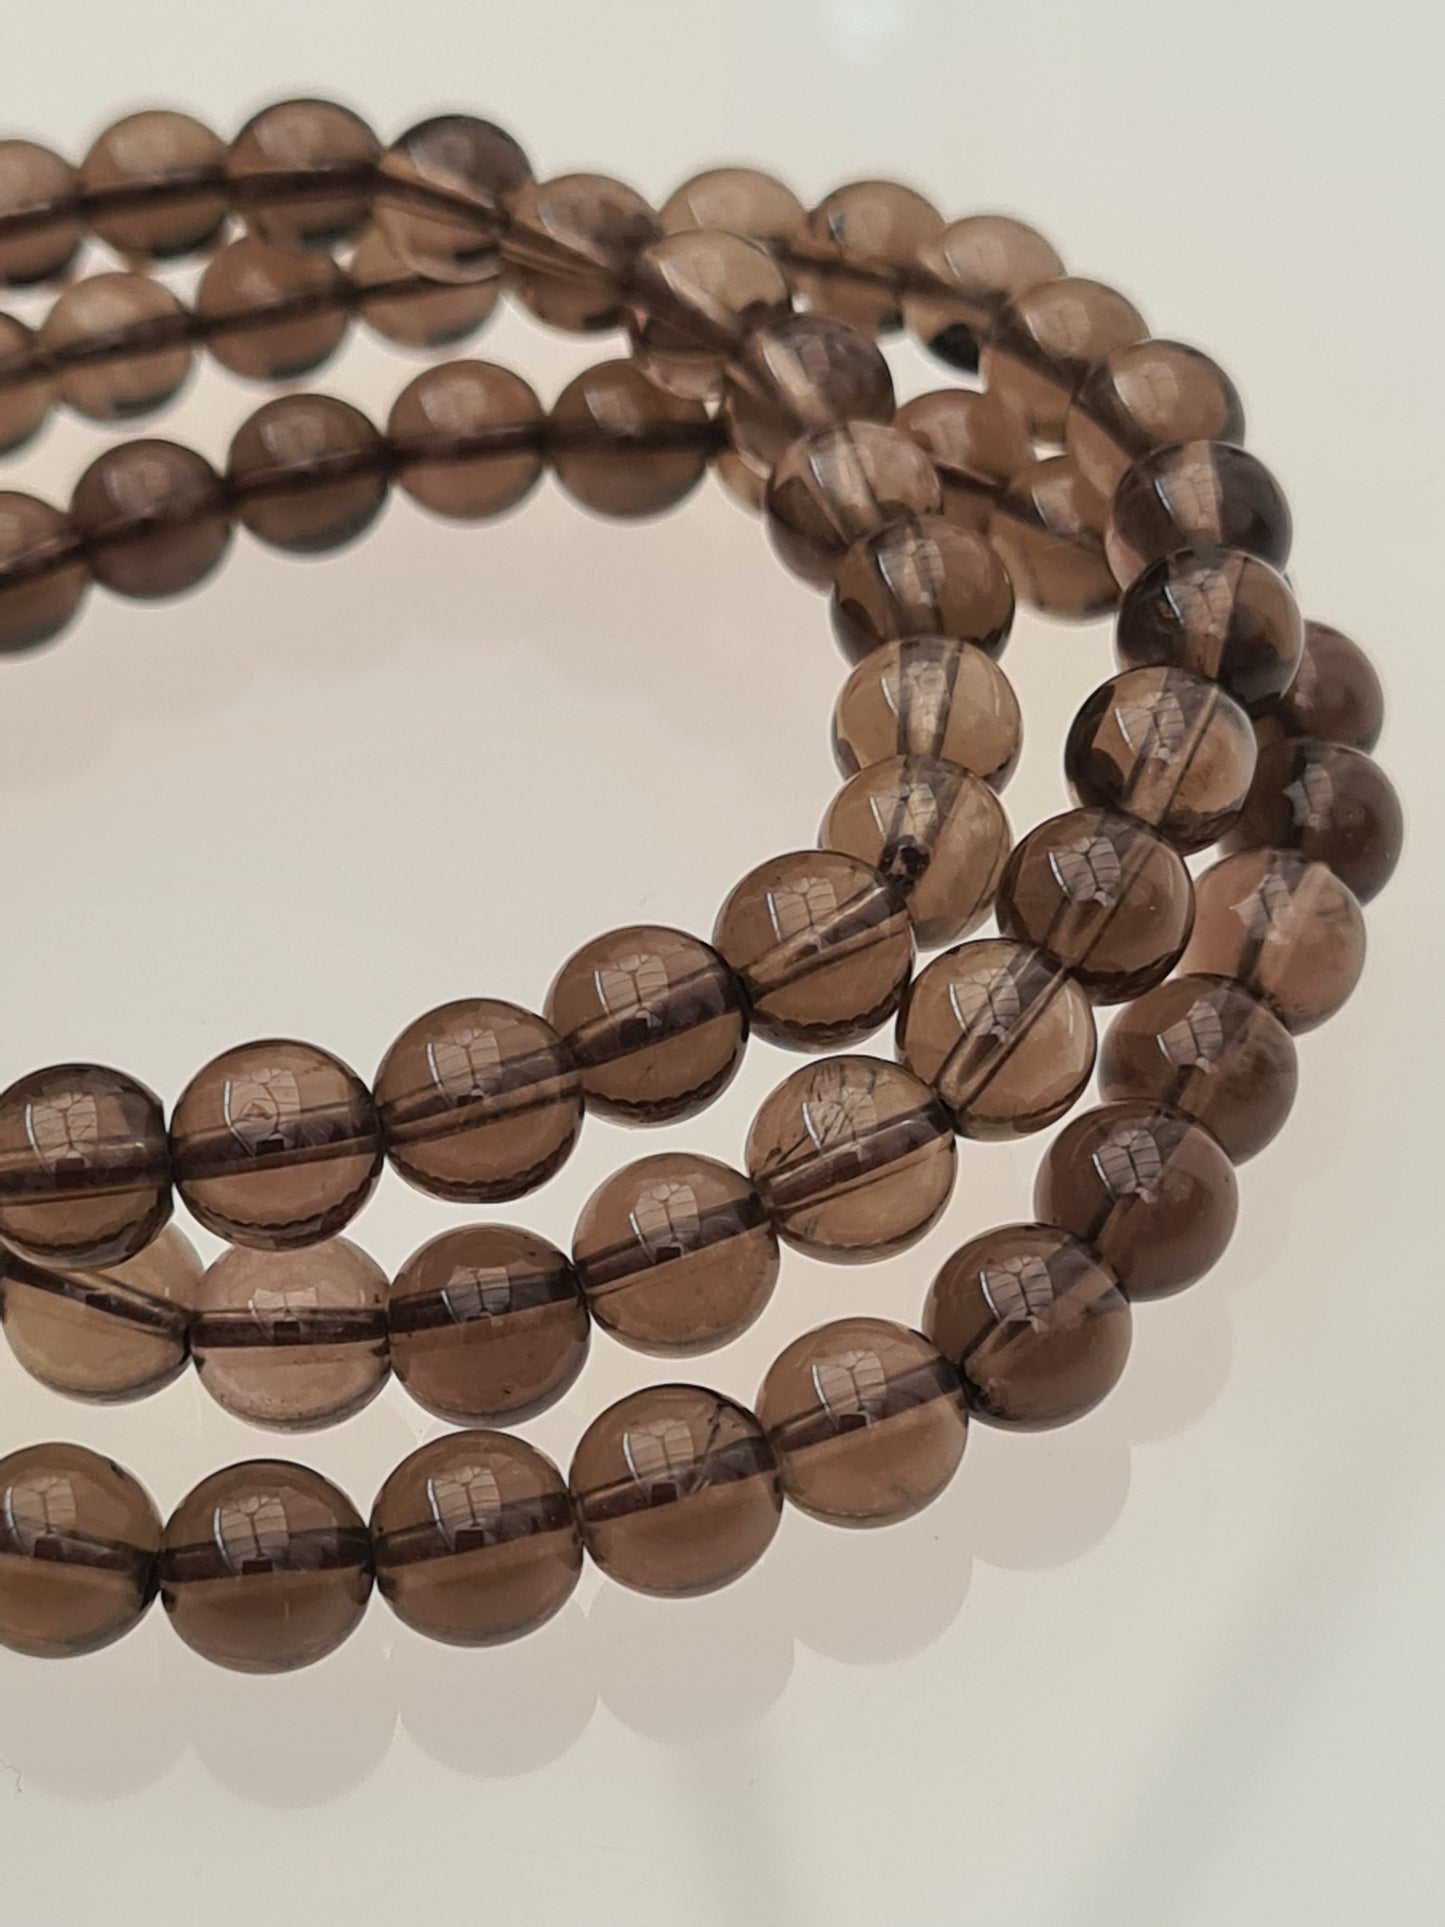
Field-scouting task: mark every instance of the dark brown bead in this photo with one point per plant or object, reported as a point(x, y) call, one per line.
point(1286, 928)
point(475, 1539)
point(1334, 805)
point(1335, 695)
point(920, 576)
point(857, 244)
point(572, 243)
point(78, 1540)
point(740, 199)
point(442, 195)
point(622, 446)
point(938, 835)
point(854, 1158)
point(134, 380)
point(270, 314)
point(1167, 748)
point(675, 1254)
point(977, 265)
point(1034, 1322)
point(1190, 494)
point(1003, 1035)
point(1207, 1047)
point(866, 1419)
point(468, 437)
point(155, 185)
point(1145, 1187)
point(1105, 896)
point(838, 484)
point(743, 478)
point(677, 1490)
point(276, 1144)
point(1141, 397)
point(292, 1339)
point(480, 1101)
point(265, 1566)
point(693, 299)
point(1047, 530)
point(655, 1019)
point(33, 181)
point(487, 1324)
point(303, 173)
point(105, 1336)
point(153, 517)
point(43, 574)
point(798, 375)
point(1223, 614)
point(822, 944)
point(25, 394)
point(929, 696)
point(1045, 340)
point(85, 1173)
point(405, 307)
point(973, 442)
point(308, 472)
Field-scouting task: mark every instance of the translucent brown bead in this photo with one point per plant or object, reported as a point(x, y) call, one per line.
point(405, 307)
point(973, 442)
point(1003, 1035)
point(1166, 747)
point(1142, 396)
point(487, 1324)
point(442, 196)
point(1223, 614)
point(798, 375)
point(468, 437)
point(854, 1158)
point(35, 181)
point(85, 1173)
point(929, 696)
point(25, 395)
point(675, 1253)
point(740, 199)
point(866, 1419)
point(857, 244)
point(270, 314)
point(308, 472)
point(133, 380)
point(655, 1020)
point(1034, 1322)
point(292, 1339)
point(303, 173)
point(823, 946)
point(480, 1101)
point(920, 576)
point(1045, 340)
point(1047, 530)
point(155, 186)
point(1286, 928)
point(837, 484)
point(1188, 494)
point(276, 1144)
point(43, 575)
point(153, 516)
point(265, 1566)
point(78, 1539)
point(1211, 1050)
point(693, 299)
point(475, 1539)
point(1106, 897)
point(1334, 805)
point(969, 271)
point(104, 1336)
point(1335, 695)
point(743, 478)
point(571, 243)
point(677, 1490)
point(938, 835)
point(622, 446)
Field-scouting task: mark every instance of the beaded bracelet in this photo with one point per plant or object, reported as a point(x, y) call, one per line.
point(919, 520)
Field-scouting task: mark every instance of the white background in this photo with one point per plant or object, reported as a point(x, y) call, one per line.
point(1176, 1666)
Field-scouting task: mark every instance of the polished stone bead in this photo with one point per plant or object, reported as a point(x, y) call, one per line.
point(1332, 804)
point(469, 438)
point(35, 182)
point(920, 575)
point(1335, 695)
point(1043, 343)
point(836, 485)
point(857, 246)
point(976, 265)
point(309, 473)
point(303, 172)
point(693, 300)
point(43, 572)
point(973, 442)
point(25, 392)
point(742, 200)
point(269, 313)
point(1190, 494)
point(134, 379)
point(410, 309)
point(929, 696)
point(622, 446)
point(78, 1540)
point(1047, 529)
point(153, 516)
point(442, 196)
point(572, 243)
point(1217, 612)
point(1141, 397)
point(154, 185)
point(797, 375)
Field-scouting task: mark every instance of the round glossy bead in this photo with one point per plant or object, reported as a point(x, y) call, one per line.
point(85, 1173)
point(572, 243)
point(153, 517)
point(797, 375)
point(1034, 1322)
point(677, 1490)
point(1045, 340)
point(740, 199)
point(693, 299)
point(655, 1019)
point(822, 944)
point(920, 576)
point(973, 442)
point(172, 171)
point(976, 266)
point(105, 1336)
point(1335, 695)
point(1047, 529)
point(938, 836)
point(265, 1566)
point(1142, 396)
point(270, 314)
point(854, 1158)
point(1220, 613)
point(837, 484)
point(1208, 1048)
point(275, 1145)
point(1188, 494)
point(929, 696)
point(25, 395)
point(134, 380)
point(408, 308)
point(303, 174)
point(480, 1101)
point(1003, 1035)
point(475, 1539)
point(1286, 928)
point(675, 1254)
point(442, 193)
point(292, 1339)
point(308, 473)
point(622, 446)
point(35, 181)
point(857, 244)
point(1334, 805)
point(1167, 748)
point(1103, 895)
point(43, 574)
point(468, 437)
point(78, 1540)
point(487, 1324)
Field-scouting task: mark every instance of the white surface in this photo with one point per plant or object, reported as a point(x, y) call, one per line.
point(1177, 1666)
